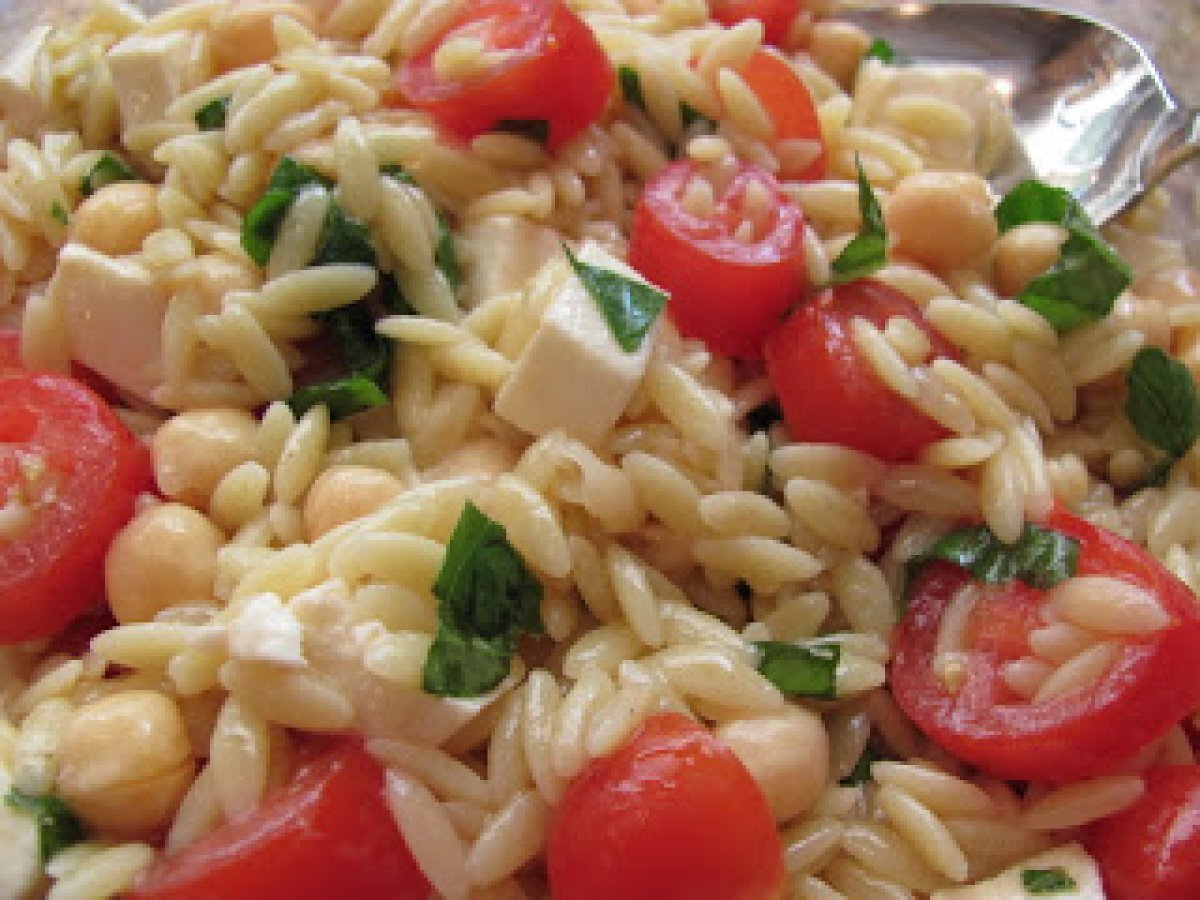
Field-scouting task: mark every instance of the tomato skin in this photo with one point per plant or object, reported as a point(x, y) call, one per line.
point(787, 100)
point(1151, 850)
point(1152, 685)
point(671, 815)
point(558, 73)
point(829, 392)
point(10, 349)
point(327, 834)
point(93, 468)
point(776, 15)
point(727, 293)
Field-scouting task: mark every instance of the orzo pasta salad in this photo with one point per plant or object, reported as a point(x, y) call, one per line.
point(577, 448)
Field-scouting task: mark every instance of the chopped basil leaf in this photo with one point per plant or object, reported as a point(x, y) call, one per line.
point(1083, 284)
point(631, 86)
point(343, 396)
point(1162, 404)
point(691, 116)
point(344, 239)
point(867, 252)
point(445, 257)
point(398, 172)
point(364, 351)
point(861, 773)
point(1041, 558)
point(537, 130)
point(486, 598)
point(57, 826)
point(390, 297)
point(260, 228)
point(800, 671)
point(211, 116)
point(109, 169)
point(881, 50)
point(290, 175)
point(762, 417)
point(58, 213)
point(1047, 881)
point(628, 305)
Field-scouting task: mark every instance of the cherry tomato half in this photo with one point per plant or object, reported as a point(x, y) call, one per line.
point(543, 65)
point(776, 16)
point(786, 99)
point(1151, 850)
point(671, 815)
point(1152, 684)
point(10, 349)
point(327, 834)
point(732, 268)
point(828, 390)
point(76, 470)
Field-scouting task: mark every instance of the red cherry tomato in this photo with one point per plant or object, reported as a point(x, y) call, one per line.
point(328, 834)
point(76, 470)
point(549, 68)
point(10, 349)
point(776, 15)
point(788, 102)
point(1151, 851)
point(671, 815)
point(1153, 683)
point(731, 274)
point(829, 392)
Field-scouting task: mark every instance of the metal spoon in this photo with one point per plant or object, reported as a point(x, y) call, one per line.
point(1091, 112)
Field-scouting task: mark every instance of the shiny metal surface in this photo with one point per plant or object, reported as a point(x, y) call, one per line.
point(1091, 111)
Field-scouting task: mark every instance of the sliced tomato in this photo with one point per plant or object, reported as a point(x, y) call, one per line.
point(788, 102)
point(546, 67)
point(828, 390)
point(1151, 850)
point(1153, 683)
point(776, 16)
point(10, 349)
point(732, 272)
point(75, 469)
point(671, 815)
point(328, 834)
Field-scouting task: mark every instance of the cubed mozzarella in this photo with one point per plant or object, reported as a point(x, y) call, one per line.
point(1071, 858)
point(20, 105)
point(573, 376)
point(265, 630)
point(149, 71)
point(20, 865)
point(114, 311)
point(501, 253)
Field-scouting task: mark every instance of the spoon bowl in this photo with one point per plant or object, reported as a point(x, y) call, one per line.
point(1091, 112)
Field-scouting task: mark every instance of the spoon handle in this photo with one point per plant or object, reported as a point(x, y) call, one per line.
point(1177, 146)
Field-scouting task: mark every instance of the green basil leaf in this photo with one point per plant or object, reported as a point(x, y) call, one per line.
point(800, 671)
point(57, 826)
point(211, 116)
point(344, 239)
point(260, 228)
point(1032, 201)
point(58, 213)
point(692, 116)
point(628, 305)
point(867, 252)
point(343, 396)
point(1163, 406)
point(1041, 557)
point(1047, 881)
point(398, 172)
point(631, 86)
point(291, 175)
point(881, 50)
point(109, 169)
point(486, 597)
point(390, 297)
point(445, 257)
point(861, 773)
point(537, 130)
point(364, 351)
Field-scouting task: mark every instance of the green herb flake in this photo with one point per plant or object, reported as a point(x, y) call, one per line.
point(58, 213)
point(343, 396)
point(1047, 881)
point(211, 116)
point(1083, 284)
point(861, 773)
point(108, 169)
point(1162, 404)
point(261, 225)
point(881, 50)
point(445, 256)
point(397, 173)
point(57, 826)
point(631, 86)
point(628, 305)
point(1041, 558)
point(800, 671)
point(344, 239)
point(486, 597)
point(536, 130)
point(867, 252)
point(693, 117)
point(291, 175)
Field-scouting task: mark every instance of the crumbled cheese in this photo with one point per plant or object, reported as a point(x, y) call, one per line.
point(265, 630)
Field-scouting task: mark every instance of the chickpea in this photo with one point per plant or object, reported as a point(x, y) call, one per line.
point(838, 48)
point(117, 218)
point(243, 34)
point(125, 763)
point(194, 450)
point(166, 556)
point(940, 219)
point(343, 493)
point(788, 755)
point(1024, 253)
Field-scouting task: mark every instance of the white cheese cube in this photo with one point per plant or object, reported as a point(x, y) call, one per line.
point(20, 105)
point(151, 70)
point(114, 311)
point(1071, 858)
point(501, 253)
point(265, 630)
point(573, 376)
point(20, 865)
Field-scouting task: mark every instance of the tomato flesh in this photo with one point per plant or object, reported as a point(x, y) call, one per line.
point(829, 392)
point(671, 815)
point(548, 68)
point(1151, 850)
point(328, 834)
point(787, 101)
point(1153, 683)
point(726, 291)
point(776, 16)
point(77, 470)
